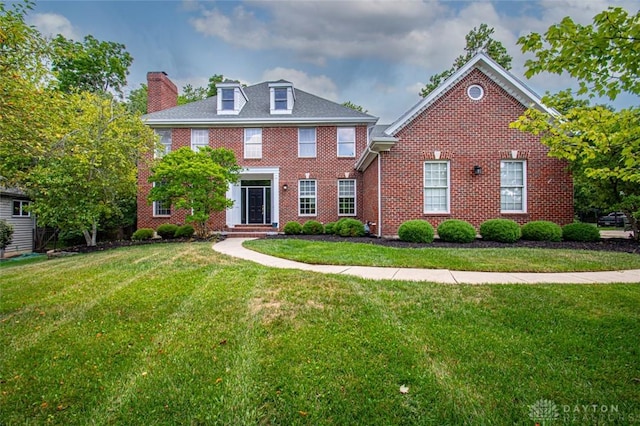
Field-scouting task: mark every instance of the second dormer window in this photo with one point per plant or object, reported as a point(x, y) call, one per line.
point(280, 98)
point(228, 99)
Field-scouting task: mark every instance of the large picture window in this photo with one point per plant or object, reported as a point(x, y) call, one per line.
point(436, 187)
point(513, 194)
point(307, 195)
point(199, 139)
point(346, 142)
point(347, 197)
point(252, 143)
point(307, 142)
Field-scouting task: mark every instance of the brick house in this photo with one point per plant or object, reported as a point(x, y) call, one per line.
point(452, 155)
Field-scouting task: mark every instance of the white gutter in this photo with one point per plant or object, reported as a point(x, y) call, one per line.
point(165, 122)
point(379, 227)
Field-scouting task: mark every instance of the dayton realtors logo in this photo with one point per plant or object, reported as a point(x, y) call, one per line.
point(543, 412)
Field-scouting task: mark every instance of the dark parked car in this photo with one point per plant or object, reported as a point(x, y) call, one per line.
point(613, 219)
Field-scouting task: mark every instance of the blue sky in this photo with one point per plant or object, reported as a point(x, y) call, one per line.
point(377, 54)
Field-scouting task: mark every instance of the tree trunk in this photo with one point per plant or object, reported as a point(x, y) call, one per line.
point(90, 238)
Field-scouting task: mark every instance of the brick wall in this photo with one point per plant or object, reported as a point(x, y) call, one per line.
point(469, 133)
point(162, 93)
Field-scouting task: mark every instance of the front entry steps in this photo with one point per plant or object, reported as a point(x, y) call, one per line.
point(250, 231)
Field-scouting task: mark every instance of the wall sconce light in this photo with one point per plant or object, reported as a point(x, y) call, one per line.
point(477, 170)
point(285, 187)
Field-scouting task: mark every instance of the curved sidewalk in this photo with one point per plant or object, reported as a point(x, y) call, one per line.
point(233, 247)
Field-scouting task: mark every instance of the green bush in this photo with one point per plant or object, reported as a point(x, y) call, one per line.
point(292, 228)
point(185, 231)
point(351, 228)
point(416, 231)
point(456, 231)
point(329, 228)
point(338, 225)
point(312, 227)
point(167, 230)
point(580, 232)
point(142, 234)
point(6, 235)
point(501, 230)
point(541, 230)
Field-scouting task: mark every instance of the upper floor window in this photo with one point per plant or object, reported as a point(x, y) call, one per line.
point(252, 143)
point(228, 97)
point(307, 142)
point(21, 208)
point(165, 141)
point(346, 142)
point(513, 190)
point(346, 197)
point(280, 98)
point(436, 187)
point(199, 139)
point(307, 196)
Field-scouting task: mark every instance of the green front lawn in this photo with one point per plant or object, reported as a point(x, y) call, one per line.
point(178, 334)
point(456, 259)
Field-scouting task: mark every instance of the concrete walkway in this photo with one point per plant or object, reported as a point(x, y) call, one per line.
point(233, 247)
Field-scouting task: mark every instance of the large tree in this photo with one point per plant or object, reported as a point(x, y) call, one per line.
point(601, 144)
point(195, 181)
point(478, 40)
point(192, 94)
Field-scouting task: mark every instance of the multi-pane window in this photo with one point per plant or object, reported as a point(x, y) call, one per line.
point(346, 142)
point(307, 142)
point(161, 208)
point(280, 98)
point(512, 186)
point(436, 187)
point(199, 139)
point(20, 208)
point(307, 195)
point(165, 141)
point(228, 96)
point(347, 197)
point(252, 143)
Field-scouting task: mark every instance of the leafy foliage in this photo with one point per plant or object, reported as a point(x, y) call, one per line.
point(353, 106)
point(350, 228)
point(192, 94)
point(185, 231)
point(329, 228)
point(541, 230)
point(312, 227)
point(456, 231)
point(142, 234)
point(501, 230)
point(196, 181)
point(292, 228)
point(580, 232)
point(478, 39)
point(6, 235)
point(416, 231)
point(167, 230)
point(137, 100)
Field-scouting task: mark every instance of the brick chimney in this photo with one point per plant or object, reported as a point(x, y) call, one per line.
point(162, 93)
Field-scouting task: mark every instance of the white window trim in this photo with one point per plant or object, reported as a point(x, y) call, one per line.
point(196, 131)
point(524, 187)
point(244, 145)
point(424, 188)
point(315, 197)
point(338, 142)
point(167, 148)
point(155, 208)
point(355, 198)
point(23, 203)
point(315, 143)
point(291, 97)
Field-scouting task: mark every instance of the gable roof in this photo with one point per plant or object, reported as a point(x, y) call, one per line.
point(491, 69)
point(308, 109)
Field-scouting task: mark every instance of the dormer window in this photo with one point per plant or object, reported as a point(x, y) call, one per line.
point(282, 97)
point(231, 98)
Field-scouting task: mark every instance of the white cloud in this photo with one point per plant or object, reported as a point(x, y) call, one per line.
point(52, 24)
point(318, 85)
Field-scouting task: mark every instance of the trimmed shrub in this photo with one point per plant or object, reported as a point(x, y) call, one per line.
point(456, 231)
point(580, 232)
point(416, 231)
point(185, 231)
point(329, 228)
point(501, 230)
point(167, 230)
point(312, 227)
point(292, 228)
point(142, 234)
point(338, 225)
point(351, 228)
point(541, 230)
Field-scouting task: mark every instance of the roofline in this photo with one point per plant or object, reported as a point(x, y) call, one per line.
point(261, 121)
point(481, 57)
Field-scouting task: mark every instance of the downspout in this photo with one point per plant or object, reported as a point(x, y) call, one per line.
point(379, 227)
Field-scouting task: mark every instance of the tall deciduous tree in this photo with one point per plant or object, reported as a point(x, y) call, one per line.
point(478, 40)
point(601, 144)
point(137, 100)
point(192, 94)
point(196, 181)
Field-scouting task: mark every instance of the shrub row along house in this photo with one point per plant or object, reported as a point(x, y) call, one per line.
point(303, 157)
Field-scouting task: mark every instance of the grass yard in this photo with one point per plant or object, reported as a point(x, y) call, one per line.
point(178, 334)
point(456, 259)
